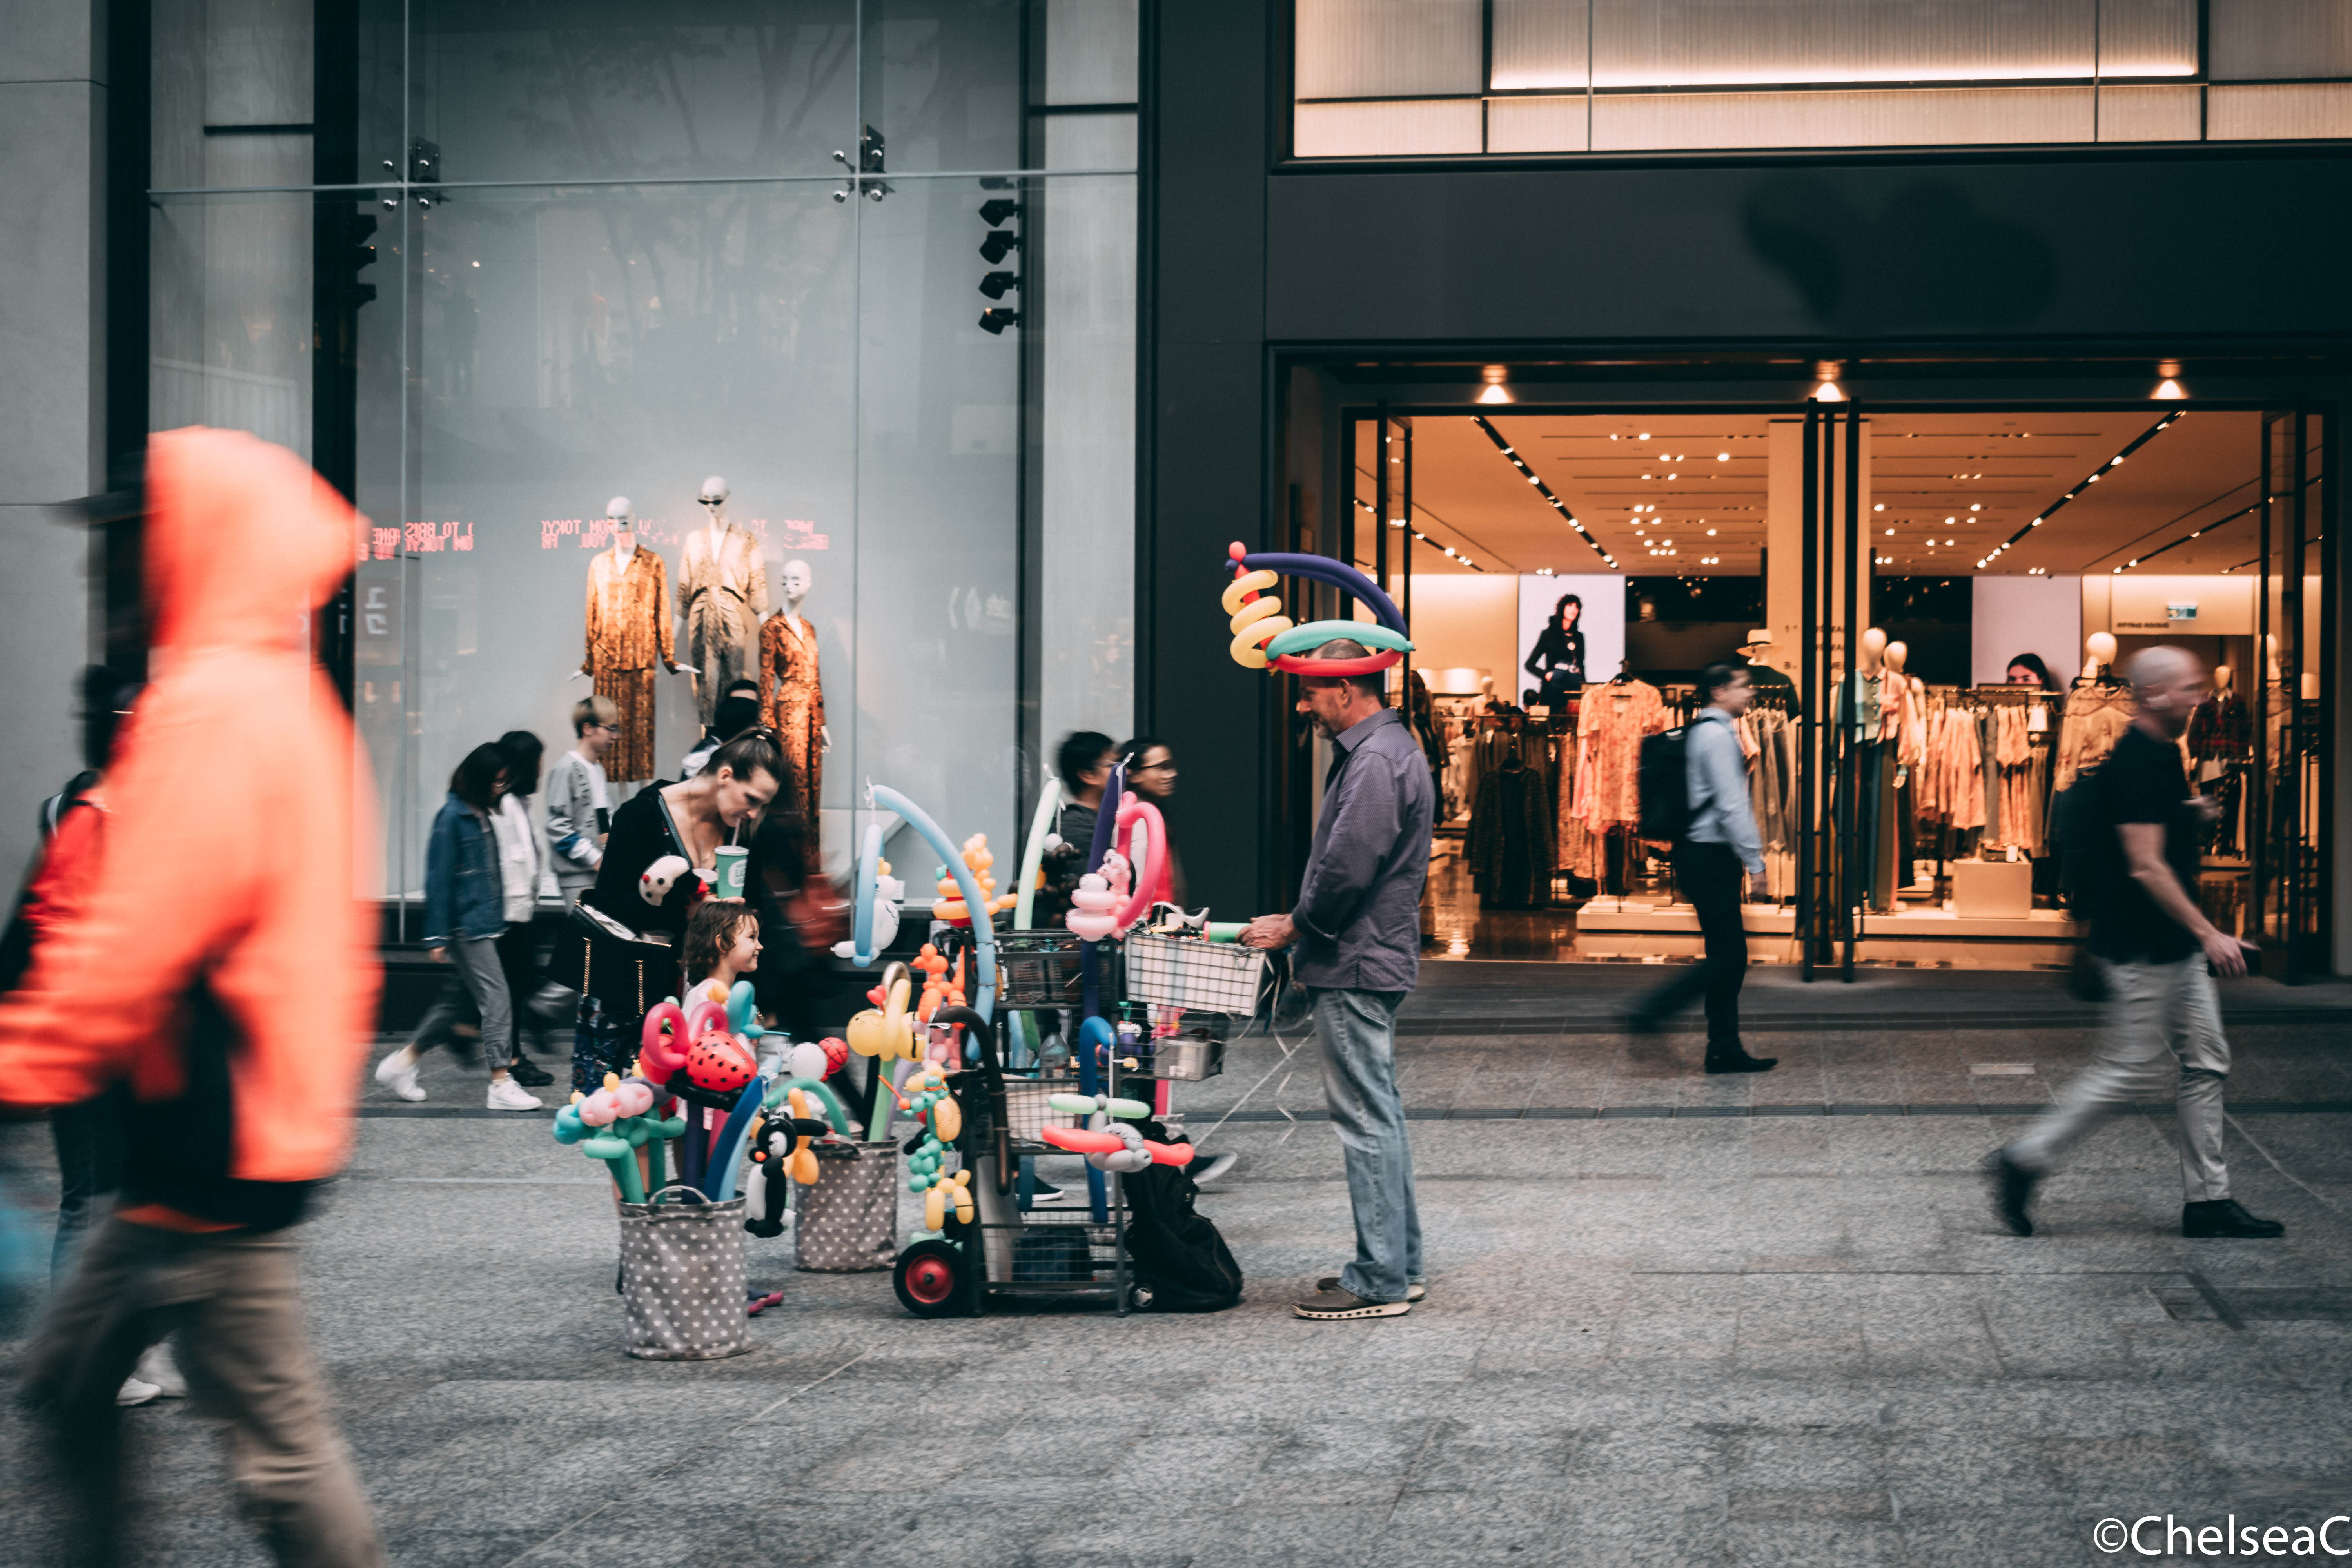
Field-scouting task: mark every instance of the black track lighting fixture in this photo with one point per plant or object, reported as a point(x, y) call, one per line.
point(996, 283)
point(998, 246)
point(993, 213)
point(993, 322)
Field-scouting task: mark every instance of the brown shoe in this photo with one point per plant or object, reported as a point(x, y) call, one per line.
point(1412, 1292)
point(1334, 1304)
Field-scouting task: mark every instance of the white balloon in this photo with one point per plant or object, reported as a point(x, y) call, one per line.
point(808, 1060)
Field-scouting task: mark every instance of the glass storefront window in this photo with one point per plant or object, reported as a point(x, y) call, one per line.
point(1374, 79)
point(494, 268)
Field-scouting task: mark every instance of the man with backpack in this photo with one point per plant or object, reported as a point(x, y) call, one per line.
point(2152, 945)
point(1713, 829)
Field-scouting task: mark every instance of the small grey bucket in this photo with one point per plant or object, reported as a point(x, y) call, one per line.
point(848, 1221)
point(682, 1279)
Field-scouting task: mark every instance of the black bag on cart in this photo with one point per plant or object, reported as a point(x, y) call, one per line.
point(1179, 1258)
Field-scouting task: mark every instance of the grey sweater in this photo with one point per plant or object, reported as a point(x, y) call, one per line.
point(574, 792)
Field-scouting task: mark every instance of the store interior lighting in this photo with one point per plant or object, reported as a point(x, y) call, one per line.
point(1495, 391)
point(1826, 389)
point(1542, 489)
point(2168, 380)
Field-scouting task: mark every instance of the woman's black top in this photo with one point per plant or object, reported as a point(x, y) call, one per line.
point(641, 835)
point(1559, 652)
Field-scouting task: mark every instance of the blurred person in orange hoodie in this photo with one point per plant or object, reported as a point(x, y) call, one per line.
point(223, 967)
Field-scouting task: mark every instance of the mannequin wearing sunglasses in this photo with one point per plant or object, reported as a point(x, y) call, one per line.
point(722, 592)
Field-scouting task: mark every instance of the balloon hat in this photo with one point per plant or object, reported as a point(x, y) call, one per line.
point(1264, 635)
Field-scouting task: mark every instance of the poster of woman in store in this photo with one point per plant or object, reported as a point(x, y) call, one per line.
point(1572, 633)
point(1558, 661)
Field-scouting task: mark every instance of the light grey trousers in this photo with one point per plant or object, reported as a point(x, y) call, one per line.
point(2156, 1014)
point(476, 991)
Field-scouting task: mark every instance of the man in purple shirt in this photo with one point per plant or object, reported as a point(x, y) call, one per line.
point(1356, 933)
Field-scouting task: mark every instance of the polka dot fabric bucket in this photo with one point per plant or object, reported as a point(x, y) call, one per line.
point(848, 1221)
point(682, 1279)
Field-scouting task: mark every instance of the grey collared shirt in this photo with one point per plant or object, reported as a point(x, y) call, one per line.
point(1359, 914)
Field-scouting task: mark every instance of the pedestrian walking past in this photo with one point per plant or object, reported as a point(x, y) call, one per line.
point(580, 801)
point(2157, 953)
point(1356, 936)
point(520, 862)
point(1714, 854)
point(464, 915)
point(223, 965)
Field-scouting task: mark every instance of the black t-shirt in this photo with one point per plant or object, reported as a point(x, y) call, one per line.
point(2143, 781)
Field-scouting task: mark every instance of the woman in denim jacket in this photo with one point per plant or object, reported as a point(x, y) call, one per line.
point(465, 914)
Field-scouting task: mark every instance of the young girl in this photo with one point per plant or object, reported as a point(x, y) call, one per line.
point(722, 946)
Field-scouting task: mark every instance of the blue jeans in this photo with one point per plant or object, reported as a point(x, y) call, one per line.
point(1357, 1031)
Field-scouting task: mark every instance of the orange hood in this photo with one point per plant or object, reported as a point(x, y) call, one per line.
point(242, 539)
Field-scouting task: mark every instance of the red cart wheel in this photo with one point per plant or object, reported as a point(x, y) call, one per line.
point(929, 1279)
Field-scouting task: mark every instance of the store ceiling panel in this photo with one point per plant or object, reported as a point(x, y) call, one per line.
point(1688, 493)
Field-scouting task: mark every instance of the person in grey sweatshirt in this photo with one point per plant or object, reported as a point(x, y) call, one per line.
point(578, 802)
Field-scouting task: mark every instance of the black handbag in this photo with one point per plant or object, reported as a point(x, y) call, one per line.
point(599, 958)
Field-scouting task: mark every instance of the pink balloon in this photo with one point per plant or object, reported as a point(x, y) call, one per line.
point(662, 1045)
point(1146, 873)
point(705, 1016)
point(600, 1109)
point(634, 1097)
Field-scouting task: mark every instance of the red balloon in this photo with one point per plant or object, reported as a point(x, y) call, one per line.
point(836, 1055)
point(720, 1062)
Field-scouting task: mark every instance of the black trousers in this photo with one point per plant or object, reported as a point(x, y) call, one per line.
point(1709, 876)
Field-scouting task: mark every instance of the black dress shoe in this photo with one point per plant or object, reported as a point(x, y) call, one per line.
point(2012, 1190)
point(2226, 1218)
point(530, 1075)
point(1735, 1059)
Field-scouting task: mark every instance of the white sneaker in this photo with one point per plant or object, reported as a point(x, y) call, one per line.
point(158, 1369)
point(397, 1072)
point(134, 1391)
point(507, 1095)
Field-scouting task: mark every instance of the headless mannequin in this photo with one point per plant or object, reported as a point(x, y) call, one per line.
point(797, 580)
point(2099, 654)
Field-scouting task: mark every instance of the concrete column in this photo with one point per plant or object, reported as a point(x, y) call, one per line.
point(52, 427)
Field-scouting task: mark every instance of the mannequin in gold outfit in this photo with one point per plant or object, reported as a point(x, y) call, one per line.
point(722, 592)
point(791, 699)
point(628, 639)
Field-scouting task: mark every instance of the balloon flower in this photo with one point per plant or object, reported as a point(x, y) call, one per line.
point(1264, 635)
point(612, 1124)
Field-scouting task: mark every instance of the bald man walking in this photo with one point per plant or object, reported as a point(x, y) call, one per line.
point(2153, 944)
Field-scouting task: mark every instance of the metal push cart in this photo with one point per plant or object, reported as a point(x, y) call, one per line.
point(1061, 1251)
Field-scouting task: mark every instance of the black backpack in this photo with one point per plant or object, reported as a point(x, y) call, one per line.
point(1664, 779)
point(1179, 1258)
point(2090, 858)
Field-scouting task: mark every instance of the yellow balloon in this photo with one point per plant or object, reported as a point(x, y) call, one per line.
point(947, 1120)
point(1247, 651)
point(802, 1166)
point(868, 1035)
point(963, 1206)
point(935, 1209)
point(1256, 582)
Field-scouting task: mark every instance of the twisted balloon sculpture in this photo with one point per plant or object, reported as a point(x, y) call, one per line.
point(1264, 635)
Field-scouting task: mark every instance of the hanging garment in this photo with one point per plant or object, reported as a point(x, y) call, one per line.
point(2096, 718)
point(2221, 729)
point(722, 592)
point(629, 638)
point(792, 704)
point(1615, 719)
point(1510, 847)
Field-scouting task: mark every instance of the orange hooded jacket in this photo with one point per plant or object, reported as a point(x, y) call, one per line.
point(221, 963)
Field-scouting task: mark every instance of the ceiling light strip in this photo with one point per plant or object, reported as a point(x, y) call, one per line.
point(2081, 485)
point(1460, 556)
point(1542, 489)
point(2145, 556)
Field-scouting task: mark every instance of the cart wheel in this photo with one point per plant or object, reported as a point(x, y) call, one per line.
point(1139, 1298)
point(929, 1279)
